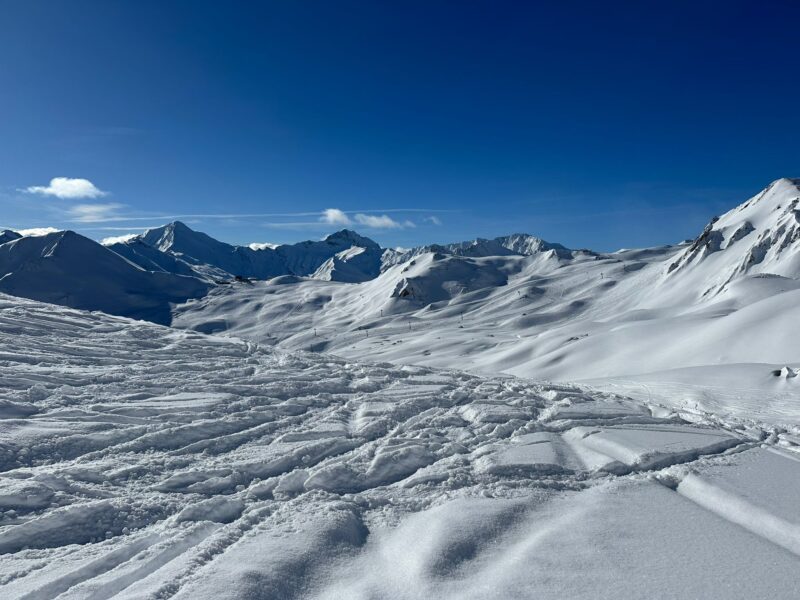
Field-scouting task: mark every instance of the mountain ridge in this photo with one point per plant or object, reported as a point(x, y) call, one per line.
point(758, 238)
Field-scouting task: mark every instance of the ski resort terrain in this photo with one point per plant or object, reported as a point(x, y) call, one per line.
point(140, 461)
point(506, 418)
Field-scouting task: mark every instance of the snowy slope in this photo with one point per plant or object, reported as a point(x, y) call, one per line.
point(353, 265)
point(728, 298)
point(68, 269)
point(138, 461)
point(762, 236)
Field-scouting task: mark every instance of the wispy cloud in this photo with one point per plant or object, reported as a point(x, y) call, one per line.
point(93, 213)
point(433, 220)
point(381, 222)
point(322, 215)
point(67, 187)
point(335, 216)
point(127, 228)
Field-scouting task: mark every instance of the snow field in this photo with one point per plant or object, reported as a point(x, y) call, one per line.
point(144, 462)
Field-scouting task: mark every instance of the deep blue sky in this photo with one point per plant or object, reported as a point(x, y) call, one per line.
point(595, 124)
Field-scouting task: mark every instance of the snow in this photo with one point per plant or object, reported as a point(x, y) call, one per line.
point(620, 539)
point(528, 308)
point(154, 462)
point(499, 418)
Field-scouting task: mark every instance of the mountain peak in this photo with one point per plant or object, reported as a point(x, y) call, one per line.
point(179, 226)
point(179, 237)
point(7, 235)
point(760, 236)
point(795, 181)
point(348, 235)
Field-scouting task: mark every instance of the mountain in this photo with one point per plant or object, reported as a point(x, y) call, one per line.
point(354, 265)
point(517, 244)
point(7, 235)
point(210, 257)
point(176, 248)
point(759, 237)
point(68, 269)
point(712, 314)
point(343, 256)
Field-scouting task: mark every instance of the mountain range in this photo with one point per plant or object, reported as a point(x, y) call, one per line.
point(515, 304)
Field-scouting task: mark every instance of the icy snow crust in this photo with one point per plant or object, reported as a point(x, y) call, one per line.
point(138, 461)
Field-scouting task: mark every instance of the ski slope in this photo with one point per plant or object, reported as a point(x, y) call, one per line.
point(139, 461)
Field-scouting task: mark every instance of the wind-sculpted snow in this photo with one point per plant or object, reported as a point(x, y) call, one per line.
point(138, 461)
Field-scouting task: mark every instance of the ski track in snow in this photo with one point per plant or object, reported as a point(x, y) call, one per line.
point(138, 461)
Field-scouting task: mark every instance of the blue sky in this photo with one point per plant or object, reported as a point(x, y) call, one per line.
point(600, 125)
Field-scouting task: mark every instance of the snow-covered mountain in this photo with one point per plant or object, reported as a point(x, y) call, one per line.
point(516, 303)
point(343, 256)
point(726, 304)
point(517, 244)
point(178, 249)
point(7, 235)
point(759, 237)
point(283, 460)
point(68, 269)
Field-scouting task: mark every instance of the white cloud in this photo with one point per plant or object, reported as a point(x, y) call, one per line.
point(93, 213)
point(334, 216)
point(36, 231)
point(67, 187)
point(262, 246)
point(379, 221)
point(433, 219)
point(118, 239)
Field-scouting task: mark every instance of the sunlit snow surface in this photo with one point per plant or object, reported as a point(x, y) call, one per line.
point(701, 326)
point(144, 462)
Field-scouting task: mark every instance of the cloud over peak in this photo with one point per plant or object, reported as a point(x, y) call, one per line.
point(335, 216)
point(118, 239)
point(37, 231)
point(67, 187)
